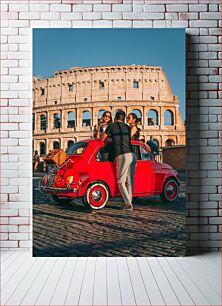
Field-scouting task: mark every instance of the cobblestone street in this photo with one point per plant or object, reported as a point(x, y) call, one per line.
point(153, 228)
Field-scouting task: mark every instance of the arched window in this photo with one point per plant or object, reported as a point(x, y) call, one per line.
point(100, 113)
point(156, 142)
point(42, 149)
point(86, 119)
point(152, 117)
point(170, 143)
point(139, 116)
point(57, 121)
point(168, 118)
point(43, 122)
point(71, 120)
point(56, 145)
point(70, 143)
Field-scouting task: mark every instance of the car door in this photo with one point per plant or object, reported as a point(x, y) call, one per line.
point(104, 169)
point(144, 181)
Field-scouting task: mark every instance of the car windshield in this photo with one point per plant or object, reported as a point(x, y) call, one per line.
point(77, 148)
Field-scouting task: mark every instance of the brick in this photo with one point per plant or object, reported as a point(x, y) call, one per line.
point(39, 7)
point(29, 15)
point(215, 63)
point(61, 24)
point(9, 212)
point(50, 16)
point(177, 8)
point(203, 23)
point(71, 16)
point(187, 16)
point(92, 15)
point(207, 15)
point(18, 7)
point(39, 24)
point(82, 8)
point(213, 7)
point(18, 23)
point(102, 7)
point(122, 23)
point(152, 16)
point(208, 39)
point(154, 8)
point(9, 31)
point(215, 220)
point(9, 63)
point(197, 7)
point(60, 7)
point(171, 16)
point(112, 15)
point(24, 229)
point(121, 7)
point(9, 244)
point(162, 24)
point(137, 8)
point(102, 24)
point(82, 24)
point(180, 23)
point(25, 244)
point(214, 47)
point(18, 236)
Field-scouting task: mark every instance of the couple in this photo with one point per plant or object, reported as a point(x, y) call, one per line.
point(106, 119)
point(125, 159)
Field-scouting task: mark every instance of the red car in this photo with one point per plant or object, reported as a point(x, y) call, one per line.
point(89, 173)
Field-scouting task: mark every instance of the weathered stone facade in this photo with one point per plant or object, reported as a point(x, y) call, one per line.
point(67, 106)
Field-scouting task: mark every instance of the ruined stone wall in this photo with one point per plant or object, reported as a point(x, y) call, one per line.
point(79, 90)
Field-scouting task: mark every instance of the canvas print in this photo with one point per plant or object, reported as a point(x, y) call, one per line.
point(109, 142)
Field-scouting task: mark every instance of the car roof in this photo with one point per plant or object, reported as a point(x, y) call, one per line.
point(93, 140)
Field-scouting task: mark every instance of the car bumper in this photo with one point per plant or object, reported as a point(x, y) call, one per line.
point(63, 190)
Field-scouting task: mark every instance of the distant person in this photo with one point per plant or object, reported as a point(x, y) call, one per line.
point(35, 160)
point(153, 146)
point(125, 159)
point(134, 130)
point(103, 123)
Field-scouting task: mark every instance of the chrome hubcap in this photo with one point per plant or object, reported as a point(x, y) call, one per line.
point(170, 190)
point(97, 195)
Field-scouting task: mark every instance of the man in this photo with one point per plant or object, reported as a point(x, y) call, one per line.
point(36, 160)
point(153, 146)
point(125, 159)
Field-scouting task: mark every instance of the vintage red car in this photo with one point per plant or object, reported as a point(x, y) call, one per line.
point(89, 173)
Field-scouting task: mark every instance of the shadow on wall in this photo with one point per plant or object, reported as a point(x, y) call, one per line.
point(192, 160)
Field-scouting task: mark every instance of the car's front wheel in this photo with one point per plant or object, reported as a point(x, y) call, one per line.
point(96, 195)
point(170, 190)
point(60, 200)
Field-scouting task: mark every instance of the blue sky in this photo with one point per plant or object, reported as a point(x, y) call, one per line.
point(59, 49)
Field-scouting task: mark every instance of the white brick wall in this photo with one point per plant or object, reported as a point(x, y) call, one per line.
point(201, 19)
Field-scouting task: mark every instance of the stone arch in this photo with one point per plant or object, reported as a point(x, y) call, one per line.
point(70, 142)
point(169, 142)
point(152, 117)
point(42, 148)
point(43, 122)
point(56, 145)
point(116, 110)
point(86, 118)
point(56, 120)
point(168, 117)
point(100, 113)
point(156, 141)
point(71, 119)
point(138, 113)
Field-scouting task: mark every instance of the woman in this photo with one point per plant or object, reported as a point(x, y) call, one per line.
point(100, 128)
point(132, 121)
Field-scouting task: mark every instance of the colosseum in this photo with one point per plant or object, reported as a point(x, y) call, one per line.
point(67, 106)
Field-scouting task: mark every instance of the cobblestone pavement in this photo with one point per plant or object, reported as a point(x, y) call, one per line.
point(153, 228)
